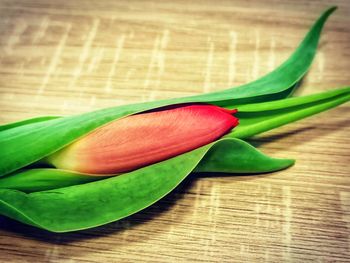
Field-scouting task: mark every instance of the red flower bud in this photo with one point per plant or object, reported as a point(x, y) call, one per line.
point(146, 138)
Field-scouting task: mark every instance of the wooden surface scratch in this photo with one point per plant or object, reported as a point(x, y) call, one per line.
point(69, 57)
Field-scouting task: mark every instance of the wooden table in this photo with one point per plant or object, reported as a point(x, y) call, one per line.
point(68, 57)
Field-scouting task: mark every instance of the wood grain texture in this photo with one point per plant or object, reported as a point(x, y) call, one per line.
point(68, 57)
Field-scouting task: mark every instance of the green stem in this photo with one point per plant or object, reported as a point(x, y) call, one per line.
point(260, 117)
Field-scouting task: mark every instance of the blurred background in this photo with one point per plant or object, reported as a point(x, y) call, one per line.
point(69, 57)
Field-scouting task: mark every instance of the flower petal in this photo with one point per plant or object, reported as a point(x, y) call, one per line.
point(142, 139)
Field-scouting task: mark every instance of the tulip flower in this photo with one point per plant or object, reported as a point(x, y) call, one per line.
point(142, 139)
point(150, 146)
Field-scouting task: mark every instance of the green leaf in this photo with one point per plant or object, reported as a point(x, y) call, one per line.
point(32, 141)
point(27, 121)
point(229, 156)
point(283, 78)
point(93, 204)
point(260, 117)
point(236, 156)
point(40, 179)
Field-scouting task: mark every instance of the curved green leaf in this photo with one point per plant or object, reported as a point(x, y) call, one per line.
point(25, 144)
point(40, 179)
point(93, 204)
point(282, 78)
point(236, 156)
point(27, 121)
